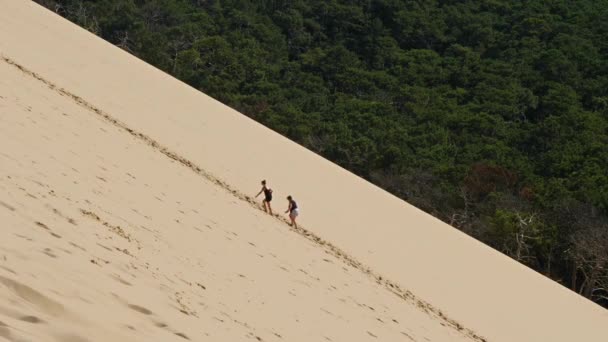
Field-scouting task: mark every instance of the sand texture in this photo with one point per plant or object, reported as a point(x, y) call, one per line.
point(126, 214)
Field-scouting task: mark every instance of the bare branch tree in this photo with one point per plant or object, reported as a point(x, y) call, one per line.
point(124, 42)
point(523, 236)
point(589, 253)
point(460, 219)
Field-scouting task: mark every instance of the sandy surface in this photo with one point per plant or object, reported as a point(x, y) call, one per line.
point(126, 215)
point(103, 232)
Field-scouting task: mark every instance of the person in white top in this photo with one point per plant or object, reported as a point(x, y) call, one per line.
point(293, 211)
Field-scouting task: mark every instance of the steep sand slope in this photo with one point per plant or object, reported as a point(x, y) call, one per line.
point(107, 238)
point(485, 291)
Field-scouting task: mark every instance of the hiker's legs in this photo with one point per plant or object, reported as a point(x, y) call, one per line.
point(292, 217)
point(267, 207)
point(264, 205)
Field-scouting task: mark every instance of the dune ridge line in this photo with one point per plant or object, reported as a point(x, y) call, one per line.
point(392, 287)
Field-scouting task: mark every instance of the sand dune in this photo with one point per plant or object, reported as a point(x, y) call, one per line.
point(108, 236)
point(125, 198)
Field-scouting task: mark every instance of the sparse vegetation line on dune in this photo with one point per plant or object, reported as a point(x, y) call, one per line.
point(327, 246)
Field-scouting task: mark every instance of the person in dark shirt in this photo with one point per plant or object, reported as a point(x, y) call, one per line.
point(293, 211)
point(267, 197)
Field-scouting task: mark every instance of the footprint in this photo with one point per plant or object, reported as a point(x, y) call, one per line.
point(105, 247)
point(77, 246)
point(120, 280)
point(182, 335)
point(408, 336)
point(2, 204)
point(161, 324)
point(24, 237)
point(31, 319)
point(49, 252)
point(42, 225)
point(140, 309)
point(60, 214)
point(66, 251)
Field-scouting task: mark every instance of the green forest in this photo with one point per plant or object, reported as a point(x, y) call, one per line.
point(491, 115)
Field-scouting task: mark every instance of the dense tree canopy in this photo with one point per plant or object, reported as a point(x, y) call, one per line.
point(491, 115)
